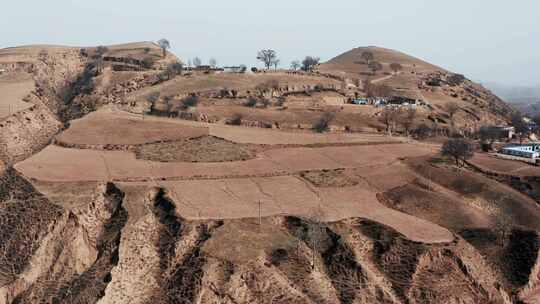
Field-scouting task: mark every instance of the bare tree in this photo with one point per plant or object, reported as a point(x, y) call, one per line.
point(502, 218)
point(197, 62)
point(488, 135)
point(295, 65)
point(98, 58)
point(452, 108)
point(101, 50)
point(323, 123)
point(190, 101)
point(164, 44)
point(174, 69)
point(275, 63)
point(422, 131)
point(459, 149)
point(395, 67)
point(389, 117)
point(267, 57)
point(309, 63)
point(503, 222)
point(407, 119)
point(43, 55)
point(519, 125)
point(152, 98)
point(213, 62)
point(367, 56)
point(375, 66)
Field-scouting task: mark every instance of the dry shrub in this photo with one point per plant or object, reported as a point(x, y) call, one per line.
point(323, 123)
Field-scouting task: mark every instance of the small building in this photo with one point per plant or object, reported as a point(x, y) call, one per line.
point(530, 150)
point(360, 101)
point(505, 131)
point(235, 69)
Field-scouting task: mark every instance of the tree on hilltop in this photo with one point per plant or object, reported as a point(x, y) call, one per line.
point(164, 44)
point(367, 56)
point(295, 65)
point(275, 63)
point(98, 58)
point(389, 116)
point(309, 63)
point(267, 57)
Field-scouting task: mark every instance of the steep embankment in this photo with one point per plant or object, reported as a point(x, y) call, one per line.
point(26, 132)
point(68, 83)
point(52, 253)
point(136, 248)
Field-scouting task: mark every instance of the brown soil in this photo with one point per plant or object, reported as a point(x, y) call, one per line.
point(206, 149)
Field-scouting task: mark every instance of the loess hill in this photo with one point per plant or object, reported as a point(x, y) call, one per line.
point(114, 190)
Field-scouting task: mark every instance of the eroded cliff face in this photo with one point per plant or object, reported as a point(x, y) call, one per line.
point(55, 254)
point(114, 247)
point(28, 131)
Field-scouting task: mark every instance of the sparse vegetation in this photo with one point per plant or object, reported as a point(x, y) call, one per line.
point(422, 131)
point(488, 135)
point(164, 44)
point(267, 57)
point(456, 79)
point(309, 63)
point(367, 57)
point(522, 130)
point(452, 108)
point(323, 123)
point(236, 119)
point(459, 149)
point(295, 65)
point(375, 66)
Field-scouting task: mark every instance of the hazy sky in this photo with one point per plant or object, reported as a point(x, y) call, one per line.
point(487, 40)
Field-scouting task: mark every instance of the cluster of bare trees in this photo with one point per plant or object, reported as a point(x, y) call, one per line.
point(393, 117)
point(459, 149)
point(269, 58)
point(306, 65)
point(98, 58)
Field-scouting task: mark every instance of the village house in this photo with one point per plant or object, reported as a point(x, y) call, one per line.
point(529, 150)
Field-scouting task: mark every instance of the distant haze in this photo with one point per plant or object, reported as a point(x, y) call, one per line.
point(487, 40)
